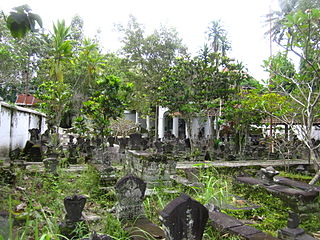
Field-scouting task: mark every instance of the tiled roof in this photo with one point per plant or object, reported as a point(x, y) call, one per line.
point(26, 100)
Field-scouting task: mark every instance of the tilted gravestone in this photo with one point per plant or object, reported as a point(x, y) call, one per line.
point(130, 191)
point(184, 219)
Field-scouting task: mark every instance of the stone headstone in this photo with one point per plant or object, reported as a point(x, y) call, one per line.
point(135, 141)
point(187, 143)
point(130, 191)
point(158, 145)
point(51, 165)
point(292, 231)
point(34, 135)
point(111, 141)
point(123, 142)
point(74, 206)
point(293, 220)
point(184, 218)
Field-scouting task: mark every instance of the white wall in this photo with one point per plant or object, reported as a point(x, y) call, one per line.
point(14, 125)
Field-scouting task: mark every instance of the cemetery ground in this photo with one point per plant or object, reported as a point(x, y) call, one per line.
point(33, 201)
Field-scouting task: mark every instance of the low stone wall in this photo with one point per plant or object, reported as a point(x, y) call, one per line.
point(14, 125)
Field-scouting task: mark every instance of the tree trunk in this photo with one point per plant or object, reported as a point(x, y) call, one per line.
point(313, 157)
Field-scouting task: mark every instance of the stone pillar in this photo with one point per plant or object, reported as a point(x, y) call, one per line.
point(208, 128)
point(137, 117)
point(148, 123)
point(195, 128)
point(162, 111)
point(175, 127)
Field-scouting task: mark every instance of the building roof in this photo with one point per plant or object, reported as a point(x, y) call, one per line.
point(26, 100)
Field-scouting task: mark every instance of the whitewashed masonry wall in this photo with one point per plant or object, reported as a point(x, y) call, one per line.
point(14, 125)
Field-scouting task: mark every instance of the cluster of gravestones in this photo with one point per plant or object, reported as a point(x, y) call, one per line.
point(183, 218)
point(36, 148)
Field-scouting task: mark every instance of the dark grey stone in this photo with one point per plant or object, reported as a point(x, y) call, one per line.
point(261, 236)
point(130, 191)
point(74, 206)
point(223, 222)
point(184, 218)
point(244, 231)
point(293, 220)
point(290, 233)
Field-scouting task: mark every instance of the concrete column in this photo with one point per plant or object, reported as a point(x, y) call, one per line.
point(137, 117)
point(208, 128)
point(148, 123)
point(175, 127)
point(195, 128)
point(162, 111)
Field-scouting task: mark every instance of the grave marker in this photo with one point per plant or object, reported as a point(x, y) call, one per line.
point(130, 191)
point(184, 219)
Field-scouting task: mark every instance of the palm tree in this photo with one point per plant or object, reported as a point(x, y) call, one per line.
point(217, 35)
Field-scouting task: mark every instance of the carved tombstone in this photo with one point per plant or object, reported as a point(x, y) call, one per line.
point(74, 206)
point(34, 135)
point(130, 192)
point(135, 141)
point(184, 219)
point(123, 142)
point(292, 231)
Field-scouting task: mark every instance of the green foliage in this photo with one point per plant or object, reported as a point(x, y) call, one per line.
point(55, 99)
point(106, 103)
point(148, 57)
point(21, 20)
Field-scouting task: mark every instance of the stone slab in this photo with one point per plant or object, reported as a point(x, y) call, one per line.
point(244, 231)
point(300, 194)
point(261, 236)
point(143, 229)
point(296, 184)
point(250, 180)
point(222, 221)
